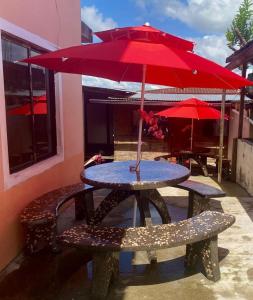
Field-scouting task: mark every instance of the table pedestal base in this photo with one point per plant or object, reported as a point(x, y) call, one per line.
point(143, 198)
point(115, 197)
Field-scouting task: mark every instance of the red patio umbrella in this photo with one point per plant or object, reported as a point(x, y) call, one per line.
point(192, 108)
point(141, 61)
point(39, 107)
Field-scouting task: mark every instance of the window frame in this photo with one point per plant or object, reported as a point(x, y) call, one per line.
point(31, 47)
point(11, 179)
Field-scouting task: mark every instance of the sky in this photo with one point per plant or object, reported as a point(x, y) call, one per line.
point(202, 21)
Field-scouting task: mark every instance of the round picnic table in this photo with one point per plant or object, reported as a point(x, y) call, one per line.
point(152, 174)
point(143, 185)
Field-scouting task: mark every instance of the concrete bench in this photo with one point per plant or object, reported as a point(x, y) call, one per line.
point(39, 218)
point(199, 196)
point(104, 243)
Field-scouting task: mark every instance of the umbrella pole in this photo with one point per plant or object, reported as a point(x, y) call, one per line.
point(191, 143)
point(141, 120)
point(192, 135)
point(221, 135)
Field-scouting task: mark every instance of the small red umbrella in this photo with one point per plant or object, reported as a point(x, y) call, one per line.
point(192, 108)
point(139, 60)
point(39, 107)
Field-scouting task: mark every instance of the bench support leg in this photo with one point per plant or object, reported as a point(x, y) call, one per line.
point(207, 252)
point(105, 269)
point(157, 200)
point(210, 260)
point(39, 236)
point(202, 162)
point(145, 218)
point(197, 205)
point(84, 206)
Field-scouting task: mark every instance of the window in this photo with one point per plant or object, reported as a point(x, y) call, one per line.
point(30, 105)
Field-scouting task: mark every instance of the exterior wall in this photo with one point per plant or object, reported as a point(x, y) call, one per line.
point(58, 24)
point(233, 130)
point(244, 170)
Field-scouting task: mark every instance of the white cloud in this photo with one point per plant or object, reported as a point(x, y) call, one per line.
point(212, 15)
point(95, 19)
point(208, 16)
point(213, 47)
point(141, 3)
point(110, 84)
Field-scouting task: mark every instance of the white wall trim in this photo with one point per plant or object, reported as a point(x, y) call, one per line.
point(18, 177)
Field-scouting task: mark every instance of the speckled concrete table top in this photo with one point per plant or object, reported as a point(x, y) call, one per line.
point(152, 175)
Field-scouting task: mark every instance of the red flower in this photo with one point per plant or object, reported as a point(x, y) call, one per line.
point(151, 120)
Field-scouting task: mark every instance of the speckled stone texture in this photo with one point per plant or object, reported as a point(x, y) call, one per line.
point(199, 196)
point(33, 277)
point(200, 232)
point(192, 230)
point(112, 200)
point(39, 218)
point(115, 197)
point(152, 175)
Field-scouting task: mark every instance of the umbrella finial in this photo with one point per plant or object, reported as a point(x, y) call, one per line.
point(147, 24)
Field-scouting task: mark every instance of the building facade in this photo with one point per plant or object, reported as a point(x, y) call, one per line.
point(41, 128)
point(123, 122)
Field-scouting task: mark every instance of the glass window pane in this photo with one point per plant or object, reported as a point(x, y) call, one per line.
point(41, 109)
point(30, 106)
point(18, 104)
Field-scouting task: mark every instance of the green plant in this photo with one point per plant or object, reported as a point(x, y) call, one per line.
point(241, 28)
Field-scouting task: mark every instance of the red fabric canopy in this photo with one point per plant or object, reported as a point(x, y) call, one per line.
point(123, 60)
point(150, 60)
point(39, 107)
point(191, 109)
point(145, 33)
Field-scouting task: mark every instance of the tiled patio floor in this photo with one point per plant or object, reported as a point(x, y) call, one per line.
point(37, 278)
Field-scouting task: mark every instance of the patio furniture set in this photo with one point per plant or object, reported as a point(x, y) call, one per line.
point(167, 60)
point(198, 232)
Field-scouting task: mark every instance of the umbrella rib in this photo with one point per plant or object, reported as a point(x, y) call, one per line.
point(121, 78)
point(224, 81)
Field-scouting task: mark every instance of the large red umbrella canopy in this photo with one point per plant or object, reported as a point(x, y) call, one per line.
point(145, 33)
point(123, 60)
point(192, 108)
point(151, 60)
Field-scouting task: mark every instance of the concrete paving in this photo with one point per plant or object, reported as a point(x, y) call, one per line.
point(67, 276)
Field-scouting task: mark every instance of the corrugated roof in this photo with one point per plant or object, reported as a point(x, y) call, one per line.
point(163, 97)
point(191, 91)
point(180, 97)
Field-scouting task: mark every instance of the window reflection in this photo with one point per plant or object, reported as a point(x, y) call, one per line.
point(30, 113)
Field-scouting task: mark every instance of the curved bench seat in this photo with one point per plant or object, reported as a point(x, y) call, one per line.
point(201, 189)
point(188, 231)
point(104, 243)
point(39, 218)
point(199, 196)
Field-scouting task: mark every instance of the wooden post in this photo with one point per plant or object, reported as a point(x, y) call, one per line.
point(221, 135)
point(242, 98)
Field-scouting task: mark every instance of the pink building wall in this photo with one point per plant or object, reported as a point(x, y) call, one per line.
point(56, 22)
